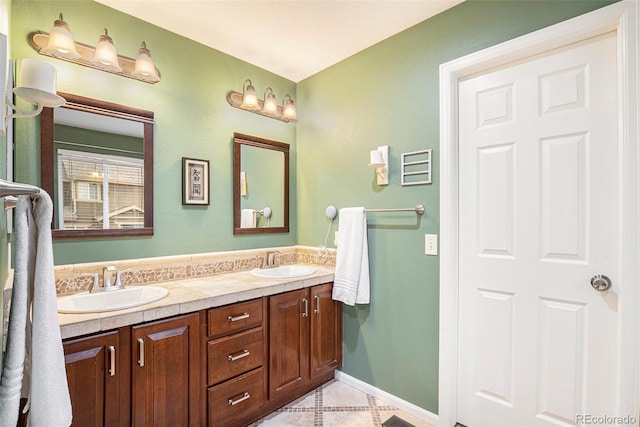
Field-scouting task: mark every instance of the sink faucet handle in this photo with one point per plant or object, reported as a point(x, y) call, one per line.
point(94, 285)
point(118, 278)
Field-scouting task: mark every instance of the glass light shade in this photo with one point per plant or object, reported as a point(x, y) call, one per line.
point(249, 97)
point(61, 42)
point(145, 68)
point(106, 56)
point(38, 83)
point(289, 108)
point(375, 159)
point(270, 106)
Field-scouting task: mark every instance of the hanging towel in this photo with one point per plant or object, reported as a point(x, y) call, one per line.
point(15, 355)
point(351, 282)
point(248, 218)
point(45, 380)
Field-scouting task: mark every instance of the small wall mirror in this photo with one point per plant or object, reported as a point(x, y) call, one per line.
point(97, 165)
point(260, 185)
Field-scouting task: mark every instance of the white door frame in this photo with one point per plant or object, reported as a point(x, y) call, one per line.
point(622, 17)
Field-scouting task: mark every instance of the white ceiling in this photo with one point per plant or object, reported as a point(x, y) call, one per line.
point(292, 38)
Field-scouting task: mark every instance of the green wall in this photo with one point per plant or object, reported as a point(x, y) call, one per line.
point(388, 95)
point(193, 119)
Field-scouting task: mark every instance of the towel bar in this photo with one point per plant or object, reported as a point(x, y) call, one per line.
point(418, 209)
point(8, 188)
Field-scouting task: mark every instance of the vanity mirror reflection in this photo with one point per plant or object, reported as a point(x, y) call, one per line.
point(97, 165)
point(260, 185)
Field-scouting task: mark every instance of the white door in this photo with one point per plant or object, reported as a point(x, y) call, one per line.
point(539, 216)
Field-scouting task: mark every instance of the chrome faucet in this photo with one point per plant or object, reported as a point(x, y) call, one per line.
point(107, 277)
point(108, 283)
point(271, 260)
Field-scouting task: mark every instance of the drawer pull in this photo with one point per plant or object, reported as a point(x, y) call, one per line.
point(243, 353)
point(112, 356)
point(141, 352)
point(236, 318)
point(305, 313)
point(244, 397)
point(317, 310)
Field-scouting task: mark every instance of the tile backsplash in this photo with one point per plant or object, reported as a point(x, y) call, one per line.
point(70, 278)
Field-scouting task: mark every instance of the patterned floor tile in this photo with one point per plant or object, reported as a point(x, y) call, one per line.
point(336, 404)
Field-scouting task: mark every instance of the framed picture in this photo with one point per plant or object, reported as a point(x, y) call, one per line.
point(195, 181)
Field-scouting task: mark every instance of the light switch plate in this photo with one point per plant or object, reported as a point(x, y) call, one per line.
point(431, 244)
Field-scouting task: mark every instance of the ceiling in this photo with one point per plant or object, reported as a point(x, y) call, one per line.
point(291, 38)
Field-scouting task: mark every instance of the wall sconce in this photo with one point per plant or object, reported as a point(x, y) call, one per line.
point(248, 101)
point(38, 86)
point(60, 44)
point(379, 160)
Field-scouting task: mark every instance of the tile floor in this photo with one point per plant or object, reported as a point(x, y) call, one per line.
point(336, 404)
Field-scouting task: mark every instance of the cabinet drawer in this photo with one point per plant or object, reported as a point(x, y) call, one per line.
point(235, 317)
point(234, 355)
point(235, 398)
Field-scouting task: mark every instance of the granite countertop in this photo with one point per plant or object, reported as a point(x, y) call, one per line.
point(188, 296)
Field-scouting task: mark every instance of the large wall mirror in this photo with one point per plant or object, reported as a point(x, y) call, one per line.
point(97, 165)
point(260, 185)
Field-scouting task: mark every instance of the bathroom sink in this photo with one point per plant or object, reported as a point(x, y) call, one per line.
point(284, 271)
point(85, 302)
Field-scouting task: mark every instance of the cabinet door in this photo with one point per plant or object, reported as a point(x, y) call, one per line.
point(326, 331)
point(289, 341)
point(97, 373)
point(166, 372)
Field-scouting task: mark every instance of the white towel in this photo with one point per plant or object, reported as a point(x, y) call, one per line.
point(248, 218)
point(351, 282)
point(13, 368)
point(45, 382)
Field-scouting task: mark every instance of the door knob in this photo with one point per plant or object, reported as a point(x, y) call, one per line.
point(600, 282)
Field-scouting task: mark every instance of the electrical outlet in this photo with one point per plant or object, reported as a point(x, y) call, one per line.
point(431, 244)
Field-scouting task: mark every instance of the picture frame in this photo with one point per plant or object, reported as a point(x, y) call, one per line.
point(195, 181)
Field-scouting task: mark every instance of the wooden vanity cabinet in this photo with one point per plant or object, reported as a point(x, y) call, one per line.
point(305, 338)
point(236, 350)
point(326, 332)
point(165, 373)
point(98, 377)
point(227, 366)
point(145, 375)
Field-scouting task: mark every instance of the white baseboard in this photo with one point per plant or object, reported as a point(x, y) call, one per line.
point(388, 398)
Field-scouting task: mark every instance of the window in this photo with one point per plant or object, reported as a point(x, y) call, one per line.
point(100, 191)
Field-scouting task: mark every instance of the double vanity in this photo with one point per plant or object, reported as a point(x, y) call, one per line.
point(207, 339)
point(218, 350)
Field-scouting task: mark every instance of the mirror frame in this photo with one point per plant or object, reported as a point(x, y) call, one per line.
point(239, 140)
point(47, 182)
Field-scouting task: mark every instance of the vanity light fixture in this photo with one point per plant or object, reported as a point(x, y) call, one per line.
point(248, 101)
point(269, 106)
point(60, 44)
point(379, 160)
point(37, 86)
point(249, 97)
point(106, 56)
point(289, 108)
point(144, 68)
